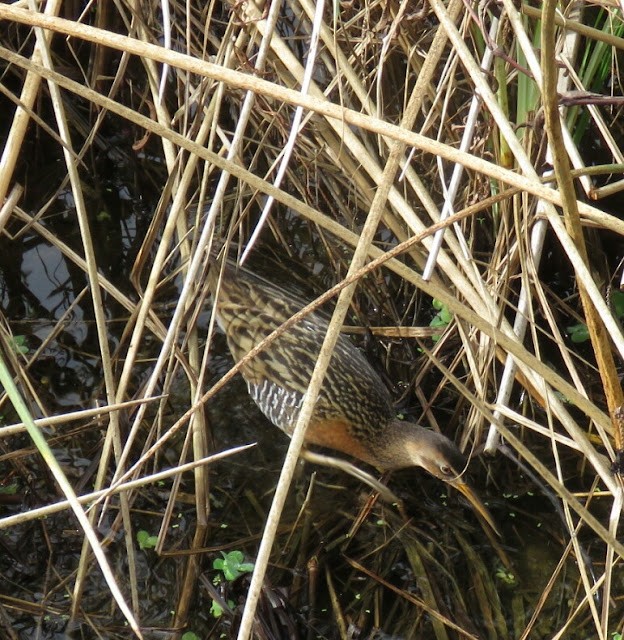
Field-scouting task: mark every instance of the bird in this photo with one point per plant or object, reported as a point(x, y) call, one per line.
point(354, 412)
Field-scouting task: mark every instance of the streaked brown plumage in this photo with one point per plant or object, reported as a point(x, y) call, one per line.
point(354, 412)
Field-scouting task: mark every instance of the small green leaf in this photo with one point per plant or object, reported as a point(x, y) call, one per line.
point(445, 315)
point(216, 610)
point(617, 300)
point(9, 489)
point(506, 576)
point(19, 345)
point(232, 565)
point(189, 635)
point(145, 540)
point(437, 321)
point(578, 333)
point(441, 319)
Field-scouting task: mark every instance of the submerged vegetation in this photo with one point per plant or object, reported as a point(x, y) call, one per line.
point(488, 263)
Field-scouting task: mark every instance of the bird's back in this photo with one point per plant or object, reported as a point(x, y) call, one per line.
point(353, 407)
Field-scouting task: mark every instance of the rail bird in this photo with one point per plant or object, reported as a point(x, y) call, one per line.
point(354, 413)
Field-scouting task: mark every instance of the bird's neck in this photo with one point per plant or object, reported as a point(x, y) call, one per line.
point(401, 446)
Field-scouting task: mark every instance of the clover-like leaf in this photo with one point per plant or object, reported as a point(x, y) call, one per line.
point(578, 333)
point(145, 540)
point(232, 565)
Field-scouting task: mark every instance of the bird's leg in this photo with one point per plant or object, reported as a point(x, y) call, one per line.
point(356, 472)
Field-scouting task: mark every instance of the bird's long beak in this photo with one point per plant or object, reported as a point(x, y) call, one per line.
point(466, 490)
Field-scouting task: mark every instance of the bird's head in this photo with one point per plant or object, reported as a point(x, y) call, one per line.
point(411, 445)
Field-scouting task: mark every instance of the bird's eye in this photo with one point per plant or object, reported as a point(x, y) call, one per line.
point(446, 469)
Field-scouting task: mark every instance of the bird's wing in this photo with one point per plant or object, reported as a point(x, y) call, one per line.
point(352, 390)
